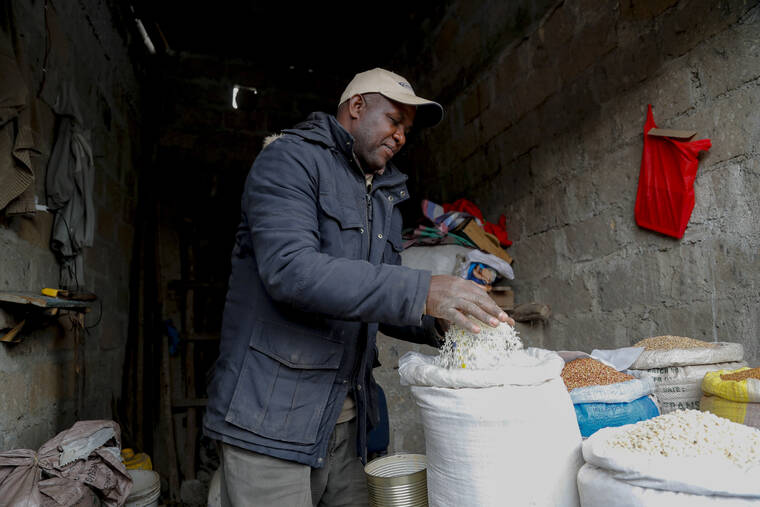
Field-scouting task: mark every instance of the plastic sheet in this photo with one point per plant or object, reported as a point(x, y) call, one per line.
point(665, 197)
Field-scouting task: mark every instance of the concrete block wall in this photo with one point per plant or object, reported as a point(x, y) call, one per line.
point(547, 127)
point(38, 397)
point(550, 134)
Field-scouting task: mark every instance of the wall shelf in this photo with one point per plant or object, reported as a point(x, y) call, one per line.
point(35, 307)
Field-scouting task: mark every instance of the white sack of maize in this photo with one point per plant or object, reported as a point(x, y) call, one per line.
point(496, 437)
point(719, 352)
point(709, 459)
point(600, 488)
point(680, 387)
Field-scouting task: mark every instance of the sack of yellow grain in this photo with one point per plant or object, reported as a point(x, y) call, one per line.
point(736, 411)
point(741, 385)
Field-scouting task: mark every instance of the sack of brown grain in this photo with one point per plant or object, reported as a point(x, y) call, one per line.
point(604, 397)
point(591, 381)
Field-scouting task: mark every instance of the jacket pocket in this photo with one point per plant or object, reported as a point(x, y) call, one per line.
point(346, 215)
point(341, 228)
point(393, 248)
point(285, 383)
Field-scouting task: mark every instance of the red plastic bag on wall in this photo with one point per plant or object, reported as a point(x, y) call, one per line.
point(665, 198)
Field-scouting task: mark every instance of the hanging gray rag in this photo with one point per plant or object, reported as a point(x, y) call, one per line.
point(70, 179)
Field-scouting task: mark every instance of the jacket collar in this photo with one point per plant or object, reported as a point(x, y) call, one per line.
point(324, 129)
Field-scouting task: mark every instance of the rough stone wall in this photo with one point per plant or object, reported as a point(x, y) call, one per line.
point(38, 397)
point(547, 129)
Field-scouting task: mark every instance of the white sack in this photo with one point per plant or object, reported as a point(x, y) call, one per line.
point(700, 475)
point(620, 392)
point(439, 259)
point(722, 352)
point(680, 387)
point(598, 488)
point(526, 368)
point(517, 443)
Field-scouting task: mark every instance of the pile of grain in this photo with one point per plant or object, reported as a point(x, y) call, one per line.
point(487, 350)
point(742, 375)
point(691, 433)
point(668, 342)
point(586, 371)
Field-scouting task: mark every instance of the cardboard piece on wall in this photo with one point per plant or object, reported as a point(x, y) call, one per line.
point(486, 242)
point(678, 134)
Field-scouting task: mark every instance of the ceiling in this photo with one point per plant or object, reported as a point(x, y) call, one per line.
point(327, 36)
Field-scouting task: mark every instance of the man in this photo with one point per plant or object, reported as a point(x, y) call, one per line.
point(315, 269)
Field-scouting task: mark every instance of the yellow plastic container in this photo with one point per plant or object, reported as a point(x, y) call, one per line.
point(139, 461)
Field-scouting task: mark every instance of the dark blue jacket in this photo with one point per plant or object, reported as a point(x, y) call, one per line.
point(315, 269)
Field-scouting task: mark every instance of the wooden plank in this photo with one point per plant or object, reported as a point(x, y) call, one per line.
point(189, 402)
point(165, 369)
point(199, 337)
point(528, 312)
point(12, 335)
point(504, 298)
point(195, 284)
point(38, 300)
point(188, 327)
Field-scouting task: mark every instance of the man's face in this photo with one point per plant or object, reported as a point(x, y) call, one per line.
point(381, 130)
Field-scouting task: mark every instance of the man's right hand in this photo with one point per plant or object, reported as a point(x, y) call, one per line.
point(455, 299)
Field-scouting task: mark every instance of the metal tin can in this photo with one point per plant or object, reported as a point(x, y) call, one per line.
point(398, 480)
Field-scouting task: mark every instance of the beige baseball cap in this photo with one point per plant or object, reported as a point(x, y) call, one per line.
point(396, 88)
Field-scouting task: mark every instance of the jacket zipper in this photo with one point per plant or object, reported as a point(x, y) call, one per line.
point(368, 197)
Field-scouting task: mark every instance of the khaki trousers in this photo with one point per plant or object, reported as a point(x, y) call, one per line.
point(256, 480)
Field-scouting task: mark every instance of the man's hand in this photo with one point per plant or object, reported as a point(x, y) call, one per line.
point(454, 299)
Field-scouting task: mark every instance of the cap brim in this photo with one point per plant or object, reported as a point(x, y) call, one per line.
point(429, 113)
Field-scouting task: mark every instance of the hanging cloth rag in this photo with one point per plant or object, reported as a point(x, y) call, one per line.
point(70, 170)
point(16, 142)
point(70, 179)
